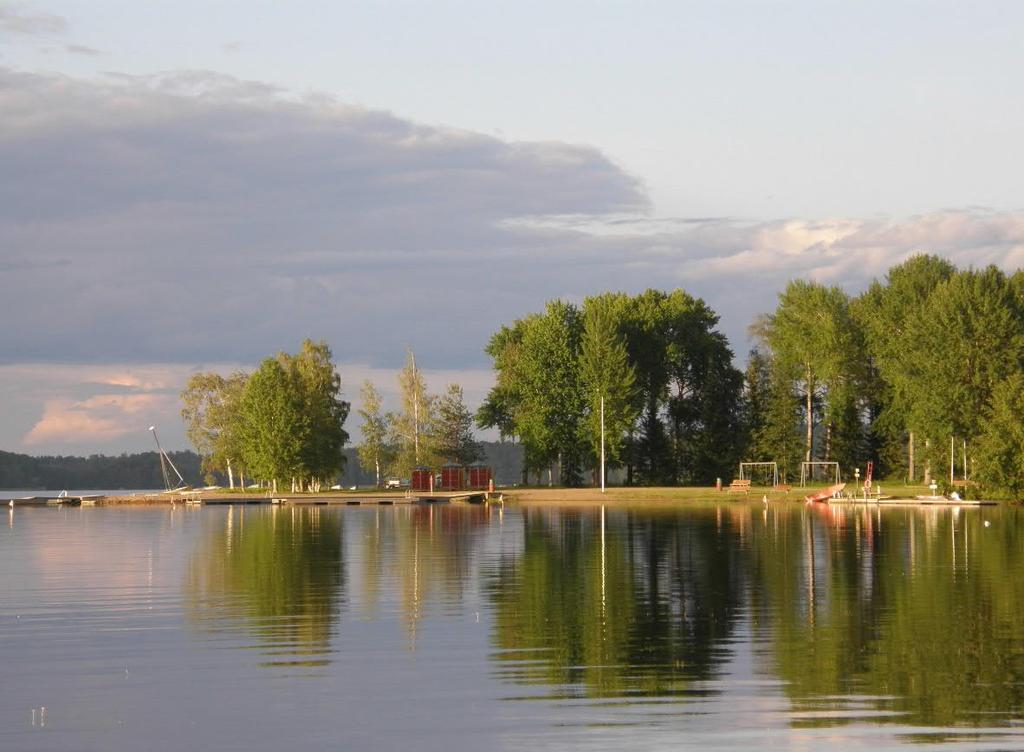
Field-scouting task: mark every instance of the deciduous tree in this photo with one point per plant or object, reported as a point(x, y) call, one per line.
point(374, 450)
point(453, 439)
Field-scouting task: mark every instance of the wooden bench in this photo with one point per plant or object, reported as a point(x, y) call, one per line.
point(739, 485)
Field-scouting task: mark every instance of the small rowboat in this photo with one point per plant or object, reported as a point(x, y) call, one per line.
point(824, 494)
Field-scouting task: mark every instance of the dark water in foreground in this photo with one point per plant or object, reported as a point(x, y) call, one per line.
point(449, 628)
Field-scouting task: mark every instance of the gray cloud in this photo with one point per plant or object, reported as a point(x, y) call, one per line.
point(16, 18)
point(209, 218)
point(81, 49)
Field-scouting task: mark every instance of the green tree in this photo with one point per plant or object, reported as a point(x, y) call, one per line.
point(969, 338)
point(317, 387)
point(551, 411)
point(704, 402)
point(1000, 446)
point(815, 345)
point(374, 450)
point(273, 426)
point(648, 336)
point(885, 314)
point(773, 413)
point(504, 402)
point(673, 397)
point(452, 433)
point(607, 376)
point(210, 409)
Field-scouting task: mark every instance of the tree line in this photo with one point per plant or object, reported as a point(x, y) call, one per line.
point(138, 471)
point(926, 357)
point(284, 423)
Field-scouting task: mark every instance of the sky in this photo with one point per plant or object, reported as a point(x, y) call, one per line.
point(194, 186)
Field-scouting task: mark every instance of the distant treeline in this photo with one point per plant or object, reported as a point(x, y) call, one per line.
point(97, 471)
point(142, 470)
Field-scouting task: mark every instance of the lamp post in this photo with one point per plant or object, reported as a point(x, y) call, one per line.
point(602, 444)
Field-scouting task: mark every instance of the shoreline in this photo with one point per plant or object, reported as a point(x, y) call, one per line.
point(662, 496)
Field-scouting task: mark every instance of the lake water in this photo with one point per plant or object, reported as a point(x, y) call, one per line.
point(731, 626)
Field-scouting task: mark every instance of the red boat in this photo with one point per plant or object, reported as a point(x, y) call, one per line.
point(824, 494)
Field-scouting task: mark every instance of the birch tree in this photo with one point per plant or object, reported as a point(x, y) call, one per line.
point(210, 409)
point(374, 450)
point(410, 427)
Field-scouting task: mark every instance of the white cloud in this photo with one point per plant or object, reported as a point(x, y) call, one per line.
point(850, 249)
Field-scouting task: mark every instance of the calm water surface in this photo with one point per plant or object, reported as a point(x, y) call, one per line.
point(446, 628)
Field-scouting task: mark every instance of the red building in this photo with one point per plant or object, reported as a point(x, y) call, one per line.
point(421, 479)
point(453, 478)
point(479, 477)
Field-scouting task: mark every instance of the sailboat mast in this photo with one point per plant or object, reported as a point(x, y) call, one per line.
point(165, 460)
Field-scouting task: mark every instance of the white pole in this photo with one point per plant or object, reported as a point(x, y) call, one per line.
point(952, 453)
point(602, 444)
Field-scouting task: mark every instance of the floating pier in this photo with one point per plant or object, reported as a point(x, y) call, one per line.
point(352, 500)
point(938, 501)
point(53, 501)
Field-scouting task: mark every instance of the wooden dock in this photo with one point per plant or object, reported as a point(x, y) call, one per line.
point(53, 501)
point(908, 501)
point(353, 500)
point(343, 499)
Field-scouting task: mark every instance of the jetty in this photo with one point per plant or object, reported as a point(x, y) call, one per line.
point(926, 501)
point(54, 501)
point(351, 499)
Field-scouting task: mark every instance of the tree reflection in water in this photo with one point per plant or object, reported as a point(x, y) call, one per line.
point(901, 615)
point(915, 612)
point(607, 603)
point(280, 573)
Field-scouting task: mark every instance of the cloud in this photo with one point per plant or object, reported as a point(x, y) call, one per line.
point(739, 266)
point(55, 408)
point(854, 251)
point(16, 18)
point(95, 420)
point(81, 49)
point(207, 217)
point(192, 217)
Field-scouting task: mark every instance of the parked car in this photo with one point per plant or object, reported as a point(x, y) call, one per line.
point(392, 483)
